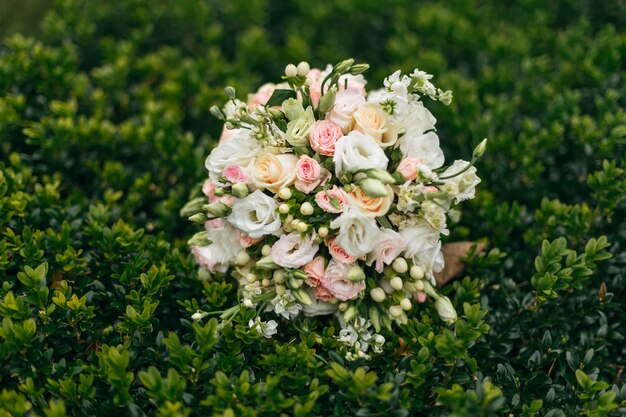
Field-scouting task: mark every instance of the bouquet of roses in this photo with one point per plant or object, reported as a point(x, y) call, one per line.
point(324, 199)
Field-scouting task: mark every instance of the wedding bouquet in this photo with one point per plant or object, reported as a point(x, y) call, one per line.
point(322, 198)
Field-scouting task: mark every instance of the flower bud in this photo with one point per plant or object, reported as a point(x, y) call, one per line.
point(480, 149)
point(279, 276)
point(193, 207)
point(284, 193)
point(419, 285)
point(198, 315)
point(306, 209)
point(303, 68)
point(446, 311)
point(265, 282)
point(283, 208)
point(357, 69)
point(198, 218)
point(380, 175)
point(250, 277)
point(240, 190)
point(405, 303)
point(280, 290)
point(374, 188)
point(395, 311)
point(266, 262)
point(248, 303)
point(218, 191)
point(356, 274)
point(275, 113)
point(416, 272)
point(350, 313)
point(379, 339)
point(343, 65)
point(302, 296)
point(230, 92)
point(291, 71)
point(396, 283)
point(378, 294)
point(327, 101)
point(294, 223)
point(266, 250)
point(399, 265)
point(199, 239)
point(242, 258)
point(302, 227)
point(322, 232)
point(217, 209)
point(217, 113)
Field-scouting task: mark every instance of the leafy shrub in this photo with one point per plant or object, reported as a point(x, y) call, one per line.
point(104, 125)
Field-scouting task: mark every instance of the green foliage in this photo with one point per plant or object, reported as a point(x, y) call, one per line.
point(104, 127)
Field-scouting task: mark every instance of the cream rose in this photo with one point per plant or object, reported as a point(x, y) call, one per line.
point(368, 206)
point(273, 172)
point(256, 215)
point(371, 120)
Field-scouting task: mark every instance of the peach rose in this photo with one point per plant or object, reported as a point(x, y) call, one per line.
point(322, 293)
point(314, 271)
point(371, 120)
point(338, 253)
point(369, 206)
point(323, 199)
point(408, 168)
point(323, 136)
point(274, 172)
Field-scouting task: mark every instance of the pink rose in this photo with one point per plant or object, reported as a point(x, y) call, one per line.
point(314, 271)
point(247, 241)
point(322, 293)
point(323, 136)
point(408, 168)
point(309, 174)
point(390, 245)
point(314, 79)
point(346, 103)
point(323, 199)
point(293, 251)
point(208, 188)
point(338, 253)
point(430, 189)
point(337, 282)
point(235, 174)
point(227, 199)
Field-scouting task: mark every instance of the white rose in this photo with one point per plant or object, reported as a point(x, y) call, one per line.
point(358, 235)
point(292, 251)
point(423, 247)
point(418, 117)
point(240, 150)
point(425, 146)
point(223, 249)
point(256, 215)
point(346, 102)
point(357, 151)
point(466, 182)
point(373, 121)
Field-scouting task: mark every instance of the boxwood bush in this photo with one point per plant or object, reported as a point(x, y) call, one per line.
point(104, 127)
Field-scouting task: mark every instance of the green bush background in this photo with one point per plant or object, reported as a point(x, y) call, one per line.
point(104, 127)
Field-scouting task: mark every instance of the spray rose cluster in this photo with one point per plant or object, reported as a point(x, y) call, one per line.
point(322, 199)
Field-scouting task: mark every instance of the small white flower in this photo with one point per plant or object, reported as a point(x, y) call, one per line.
point(465, 183)
point(285, 305)
point(267, 329)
